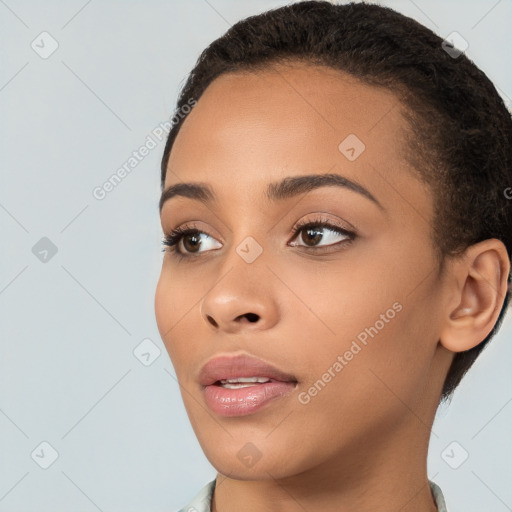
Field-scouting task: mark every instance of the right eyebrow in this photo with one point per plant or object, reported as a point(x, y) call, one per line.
point(286, 188)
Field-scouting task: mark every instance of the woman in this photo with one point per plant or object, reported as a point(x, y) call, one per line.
point(337, 253)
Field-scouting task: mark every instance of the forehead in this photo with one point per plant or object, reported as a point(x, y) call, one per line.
point(252, 128)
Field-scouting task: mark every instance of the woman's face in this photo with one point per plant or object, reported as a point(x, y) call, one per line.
point(355, 319)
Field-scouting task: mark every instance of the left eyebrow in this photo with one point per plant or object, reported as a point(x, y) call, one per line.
point(288, 187)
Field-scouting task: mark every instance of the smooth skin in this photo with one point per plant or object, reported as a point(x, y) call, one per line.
point(360, 444)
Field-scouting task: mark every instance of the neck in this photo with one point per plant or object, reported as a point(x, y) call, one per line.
point(388, 474)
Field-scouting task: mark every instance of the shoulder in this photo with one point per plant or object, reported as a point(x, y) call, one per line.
point(202, 500)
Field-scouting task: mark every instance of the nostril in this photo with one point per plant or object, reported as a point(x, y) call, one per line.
point(252, 317)
point(212, 321)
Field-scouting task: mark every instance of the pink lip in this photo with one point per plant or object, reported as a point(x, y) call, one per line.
point(231, 367)
point(246, 400)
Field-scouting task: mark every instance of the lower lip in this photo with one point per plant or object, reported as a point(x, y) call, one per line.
point(244, 401)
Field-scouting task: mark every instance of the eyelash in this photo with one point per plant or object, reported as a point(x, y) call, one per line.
point(172, 239)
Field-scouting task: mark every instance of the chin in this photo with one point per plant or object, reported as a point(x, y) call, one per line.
point(251, 461)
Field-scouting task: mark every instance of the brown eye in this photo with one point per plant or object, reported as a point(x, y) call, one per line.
point(321, 234)
point(193, 240)
point(311, 237)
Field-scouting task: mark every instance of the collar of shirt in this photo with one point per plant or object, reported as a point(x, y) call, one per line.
point(202, 502)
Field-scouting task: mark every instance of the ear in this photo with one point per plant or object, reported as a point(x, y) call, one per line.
point(477, 294)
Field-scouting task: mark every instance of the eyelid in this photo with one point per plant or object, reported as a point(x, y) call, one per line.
point(324, 223)
point(322, 218)
point(195, 225)
point(175, 236)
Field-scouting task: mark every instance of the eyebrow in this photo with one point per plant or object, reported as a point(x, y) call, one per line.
point(288, 187)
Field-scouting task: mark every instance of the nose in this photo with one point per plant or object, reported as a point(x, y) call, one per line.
point(245, 298)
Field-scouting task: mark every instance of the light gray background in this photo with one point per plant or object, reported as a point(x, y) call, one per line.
point(69, 326)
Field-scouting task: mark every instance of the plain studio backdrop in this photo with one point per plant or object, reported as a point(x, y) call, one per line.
point(91, 416)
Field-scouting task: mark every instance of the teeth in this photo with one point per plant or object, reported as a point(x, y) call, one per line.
point(244, 379)
point(237, 386)
point(242, 382)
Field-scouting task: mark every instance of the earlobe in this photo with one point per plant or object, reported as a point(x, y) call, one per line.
point(479, 289)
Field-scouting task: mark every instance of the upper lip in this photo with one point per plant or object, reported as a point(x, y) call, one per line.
point(232, 367)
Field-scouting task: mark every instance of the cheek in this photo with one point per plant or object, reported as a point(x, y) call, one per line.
point(177, 313)
point(169, 309)
point(355, 388)
point(338, 301)
point(163, 300)
point(365, 318)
